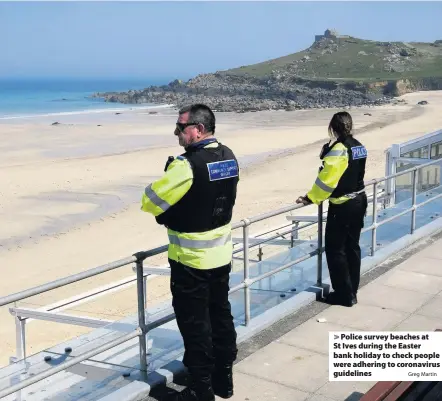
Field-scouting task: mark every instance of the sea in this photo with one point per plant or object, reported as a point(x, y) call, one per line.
point(36, 97)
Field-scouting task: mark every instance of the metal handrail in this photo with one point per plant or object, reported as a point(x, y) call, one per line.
point(71, 362)
point(388, 177)
point(65, 281)
point(80, 276)
point(139, 257)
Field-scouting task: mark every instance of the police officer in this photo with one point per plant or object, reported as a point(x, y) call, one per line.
point(341, 180)
point(194, 199)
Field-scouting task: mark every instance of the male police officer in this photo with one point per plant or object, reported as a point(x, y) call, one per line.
point(194, 199)
point(341, 179)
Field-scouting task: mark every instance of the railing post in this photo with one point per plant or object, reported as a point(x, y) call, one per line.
point(319, 265)
point(246, 271)
point(374, 218)
point(294, 234)
point(260, 253)
point(413, 211)
point(145, 291)
point(20, 352)
point(20, 338)
point(141, 320)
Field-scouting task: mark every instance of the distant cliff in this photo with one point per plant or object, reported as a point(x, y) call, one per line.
point(403, 86)
point(336, 71)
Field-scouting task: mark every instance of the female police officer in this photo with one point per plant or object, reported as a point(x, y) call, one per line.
point(341, 180)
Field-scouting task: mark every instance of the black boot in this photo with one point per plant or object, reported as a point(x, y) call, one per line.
point(354, 299)
point(200, 389)
point(334, 298)
point(222, 381)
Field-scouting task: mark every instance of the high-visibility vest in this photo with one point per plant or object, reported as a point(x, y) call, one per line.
point(342, 173)
point(194, 199)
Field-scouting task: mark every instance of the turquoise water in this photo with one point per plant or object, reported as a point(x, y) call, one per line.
point(28, 97)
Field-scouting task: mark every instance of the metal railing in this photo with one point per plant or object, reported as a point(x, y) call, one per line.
point(138, 258)
point(23, 316)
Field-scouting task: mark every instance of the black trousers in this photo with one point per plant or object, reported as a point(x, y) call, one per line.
point(342, 250)
point(203, 312)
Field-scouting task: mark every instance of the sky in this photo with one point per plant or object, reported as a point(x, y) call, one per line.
point(182, 39)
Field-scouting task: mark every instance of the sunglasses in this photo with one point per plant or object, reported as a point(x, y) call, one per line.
point(182, 126)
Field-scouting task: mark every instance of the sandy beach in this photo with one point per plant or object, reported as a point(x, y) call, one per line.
point(69, 193)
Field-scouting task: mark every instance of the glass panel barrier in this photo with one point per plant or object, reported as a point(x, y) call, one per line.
point(420, 153)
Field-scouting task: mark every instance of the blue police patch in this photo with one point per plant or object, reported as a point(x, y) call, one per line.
point(181, 158)
point(359, 152)
point(222, 170)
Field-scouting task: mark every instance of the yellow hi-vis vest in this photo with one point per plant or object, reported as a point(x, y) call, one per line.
point(335, 163)
point(200, 250)
point(206, 250)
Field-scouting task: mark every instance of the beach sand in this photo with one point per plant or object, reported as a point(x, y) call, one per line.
point(70, 193)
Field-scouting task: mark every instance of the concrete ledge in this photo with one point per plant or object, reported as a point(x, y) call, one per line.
point(135, 391)
point(276, 313)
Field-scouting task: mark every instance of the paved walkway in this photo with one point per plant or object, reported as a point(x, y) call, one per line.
point(294, 367)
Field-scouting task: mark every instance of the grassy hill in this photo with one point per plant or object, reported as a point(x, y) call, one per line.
point(334, 72)
point(353, 59)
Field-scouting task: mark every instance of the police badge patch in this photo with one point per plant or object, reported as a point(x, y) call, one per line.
point(222, 170)
point(359, 152)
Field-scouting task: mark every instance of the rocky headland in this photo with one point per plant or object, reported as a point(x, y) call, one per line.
point(335, 72)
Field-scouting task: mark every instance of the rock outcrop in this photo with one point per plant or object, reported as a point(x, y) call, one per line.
point(226, 93)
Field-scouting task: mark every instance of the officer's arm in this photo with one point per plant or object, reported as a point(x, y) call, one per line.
point(169, 189)
point(335, 164)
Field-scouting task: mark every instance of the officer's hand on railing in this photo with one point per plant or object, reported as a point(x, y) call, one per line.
point(304, 200)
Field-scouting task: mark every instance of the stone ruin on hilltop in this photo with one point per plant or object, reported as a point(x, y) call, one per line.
point(330, 34)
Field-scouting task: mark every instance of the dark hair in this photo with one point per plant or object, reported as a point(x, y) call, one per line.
point(340, 125)
point(201, 114)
